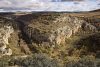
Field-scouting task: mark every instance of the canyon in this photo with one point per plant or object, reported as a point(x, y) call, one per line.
point(62, 36)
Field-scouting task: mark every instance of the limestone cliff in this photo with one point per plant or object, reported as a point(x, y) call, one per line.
point(5, 33)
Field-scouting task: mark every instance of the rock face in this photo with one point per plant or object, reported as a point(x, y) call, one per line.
point(65, 31)
point(4, 35)
point(89, 27)
point(52, 29)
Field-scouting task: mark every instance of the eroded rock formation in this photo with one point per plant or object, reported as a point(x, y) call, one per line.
point(5, 33)
point(53, 29)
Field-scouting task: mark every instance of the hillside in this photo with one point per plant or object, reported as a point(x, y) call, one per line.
point(50, 39)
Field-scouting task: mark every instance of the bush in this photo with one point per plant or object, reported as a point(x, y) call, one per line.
point(38, 60)
point(4, 62)
point(84, 63)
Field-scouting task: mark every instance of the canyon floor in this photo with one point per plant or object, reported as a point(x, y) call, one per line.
point(50, 39)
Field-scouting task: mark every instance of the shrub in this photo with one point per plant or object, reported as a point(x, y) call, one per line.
point(84, 63)
point(4, 62)
point(38, 60)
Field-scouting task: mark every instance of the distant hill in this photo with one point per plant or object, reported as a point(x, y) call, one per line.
point(95, 10)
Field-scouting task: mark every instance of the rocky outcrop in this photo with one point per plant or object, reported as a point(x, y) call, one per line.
point(5, 33)
point(53, 30)
point(71, 26)
point(88, 27)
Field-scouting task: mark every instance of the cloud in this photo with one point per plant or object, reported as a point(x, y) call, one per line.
point(50, 5)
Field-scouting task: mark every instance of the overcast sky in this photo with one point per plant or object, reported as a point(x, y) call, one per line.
point(52, 5)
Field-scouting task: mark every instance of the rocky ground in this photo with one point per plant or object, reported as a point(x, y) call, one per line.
point(50, 39)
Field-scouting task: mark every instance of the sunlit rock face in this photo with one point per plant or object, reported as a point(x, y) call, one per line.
point(5, 33)
point(72, 24)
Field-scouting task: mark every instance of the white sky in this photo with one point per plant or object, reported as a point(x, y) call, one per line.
point(48, 5)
